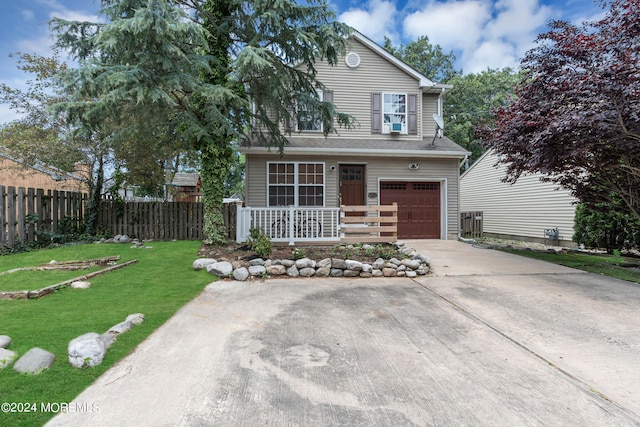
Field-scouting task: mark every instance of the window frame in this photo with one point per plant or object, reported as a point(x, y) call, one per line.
point(297, 183)
point(318, 119)
point(386, 126)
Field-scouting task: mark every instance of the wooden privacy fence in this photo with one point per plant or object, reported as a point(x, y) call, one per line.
point(370, 224)
point(160, 220)
point(25, 214)
point(471, 224)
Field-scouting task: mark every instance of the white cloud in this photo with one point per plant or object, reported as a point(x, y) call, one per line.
point(452, 25)
point(28, 15)
point(482, 33)
point(376, 21)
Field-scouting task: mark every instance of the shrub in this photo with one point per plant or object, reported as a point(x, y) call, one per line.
point(259, 243)
point(604, 227)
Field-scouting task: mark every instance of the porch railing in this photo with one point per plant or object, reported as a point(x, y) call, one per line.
point(290, 224)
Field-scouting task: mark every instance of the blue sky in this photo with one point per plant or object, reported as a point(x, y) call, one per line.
point(481, 33)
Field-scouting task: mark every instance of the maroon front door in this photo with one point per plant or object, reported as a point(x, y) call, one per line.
point(352, 186)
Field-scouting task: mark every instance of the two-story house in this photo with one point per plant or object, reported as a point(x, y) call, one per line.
point(396, 153)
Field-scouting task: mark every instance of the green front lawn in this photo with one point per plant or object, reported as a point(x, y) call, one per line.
point(157, 286)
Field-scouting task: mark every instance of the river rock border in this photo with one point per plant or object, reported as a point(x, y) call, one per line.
point(414, 265)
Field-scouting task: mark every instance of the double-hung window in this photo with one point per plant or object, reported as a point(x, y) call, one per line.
point(297, 184)
point(309, 119)
point(394, 110)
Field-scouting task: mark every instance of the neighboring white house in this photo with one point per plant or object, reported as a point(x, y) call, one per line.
point(523, 210)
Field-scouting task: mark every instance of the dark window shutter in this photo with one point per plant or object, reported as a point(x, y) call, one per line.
point(327, 96)
point(412, 114)
point(376, 112)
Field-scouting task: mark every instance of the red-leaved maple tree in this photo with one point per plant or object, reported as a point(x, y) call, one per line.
point(576, 114)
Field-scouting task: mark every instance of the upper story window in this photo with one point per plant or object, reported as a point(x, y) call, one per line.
point(309, 119)
point(394, 113)
point(295, 184)
point(394, 110)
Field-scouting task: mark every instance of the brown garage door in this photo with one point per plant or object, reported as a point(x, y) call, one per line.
point(418, 207)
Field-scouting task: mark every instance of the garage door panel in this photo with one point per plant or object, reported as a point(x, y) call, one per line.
point(418, 207)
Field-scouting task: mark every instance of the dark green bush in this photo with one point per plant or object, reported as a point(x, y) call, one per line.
point(604, 227)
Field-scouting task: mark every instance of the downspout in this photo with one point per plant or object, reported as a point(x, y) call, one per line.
point(440, 110)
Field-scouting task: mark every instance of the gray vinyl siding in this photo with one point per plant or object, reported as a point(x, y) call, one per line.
point(522, 210)
point(429, 108)
point(352, 88)
point(444, 171)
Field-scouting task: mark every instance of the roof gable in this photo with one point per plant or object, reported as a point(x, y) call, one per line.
point(424, 83)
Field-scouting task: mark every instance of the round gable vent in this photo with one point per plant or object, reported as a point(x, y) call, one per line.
point(352, 60)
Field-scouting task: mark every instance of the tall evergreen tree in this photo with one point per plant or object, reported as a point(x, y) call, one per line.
point(225, 71)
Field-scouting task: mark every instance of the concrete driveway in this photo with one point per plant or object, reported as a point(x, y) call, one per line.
point(488, 339)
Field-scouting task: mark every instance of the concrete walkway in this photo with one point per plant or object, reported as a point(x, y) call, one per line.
point(488, 339)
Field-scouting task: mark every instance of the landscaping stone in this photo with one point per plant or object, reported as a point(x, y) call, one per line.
point(276, 270)
point(256, 261)
point(323, 272)
point(336, 272)
point(121, 238)
point(287, 262)
point(5, 341)
point(365, 274)
point(353, 265)
point(378, 264)
point(293, 271)
point(324, 263)
point(80, 284)
point(307, 271)
point(422, 258)
point(367, 267)
point(338, 263)
point(395, 261)
point(120, 328)
point(389, 272)
point(241, 274)
point(304, 263)
point(87, 350)
point(351, 273)
point(410, 273)
point(220, 268)
point(136, 318)
point(376, 272)
point(257, 270)
point(202, 263)
point(34, 361)
point(6, 357)
point(411, 263)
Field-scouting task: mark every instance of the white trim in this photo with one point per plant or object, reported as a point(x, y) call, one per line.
point(386, 127)
point(296, 184)
point(361, 152)
point(444, 219)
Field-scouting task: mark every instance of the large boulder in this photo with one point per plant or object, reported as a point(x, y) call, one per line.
point(353, 265)
point(87, 350)
point(80, 284)
point(34, 361)
point(304, 263)
point(307, 272)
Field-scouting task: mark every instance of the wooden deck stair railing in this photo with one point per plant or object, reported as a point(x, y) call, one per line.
point(372, 224)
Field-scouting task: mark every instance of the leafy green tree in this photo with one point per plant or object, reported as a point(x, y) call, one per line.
point(429, 60)
point(472, 101)
point(37, 135)
point(223, 73)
